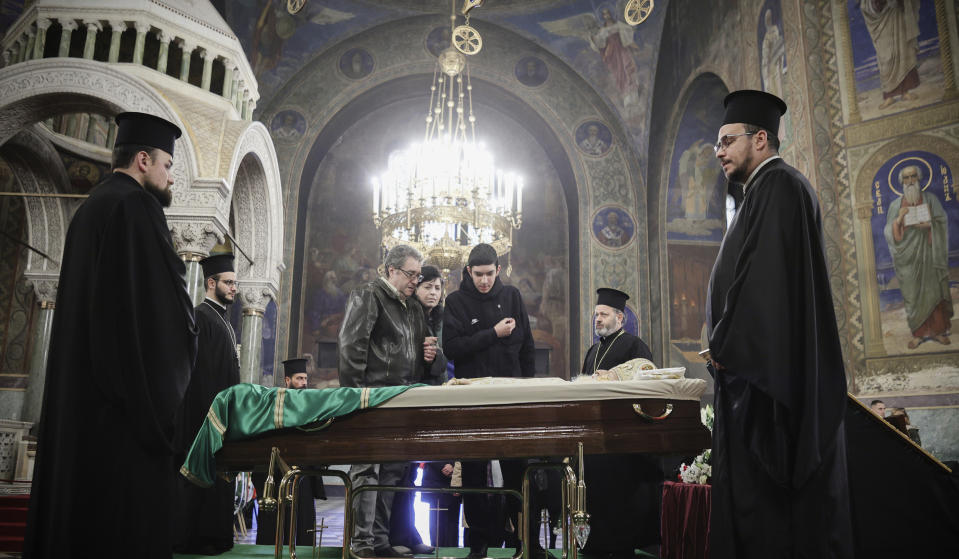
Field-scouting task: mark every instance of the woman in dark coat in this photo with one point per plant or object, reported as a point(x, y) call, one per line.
point(443, 529)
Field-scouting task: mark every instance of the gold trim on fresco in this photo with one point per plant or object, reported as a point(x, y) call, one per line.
point(900, 124)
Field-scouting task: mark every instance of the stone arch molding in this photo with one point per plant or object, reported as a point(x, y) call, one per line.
point(33, 91)
point(38, 169)
point(254, 175)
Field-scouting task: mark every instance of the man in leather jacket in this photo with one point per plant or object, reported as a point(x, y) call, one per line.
point(383, 342)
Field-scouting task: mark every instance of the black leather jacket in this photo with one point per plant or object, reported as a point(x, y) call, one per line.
point(381, 339)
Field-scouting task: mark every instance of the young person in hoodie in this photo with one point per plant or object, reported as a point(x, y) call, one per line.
point(486, 333)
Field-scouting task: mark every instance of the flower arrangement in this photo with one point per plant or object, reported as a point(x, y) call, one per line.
point(700, 471)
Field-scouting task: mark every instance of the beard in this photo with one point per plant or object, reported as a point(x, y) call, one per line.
point(222, 296)
point(163, 195)
point(603, 331)
point(912, 194)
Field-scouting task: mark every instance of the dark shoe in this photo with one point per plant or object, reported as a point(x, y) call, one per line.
point(476, 555)
point(364, 552)
point(422, 549)
point(390, 552)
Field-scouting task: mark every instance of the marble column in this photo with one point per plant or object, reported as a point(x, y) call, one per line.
point(193, 241)
point(227, 79)
point(246, 112)
point(117, 28)
point(164, 51)
point(65, 35)
point(185, 61)
point(251, 333)
point(93, 27)
point(237, 95)
point(207, 69)
point(142, 29)
point(17, 50)
point(7, 57)
point(46, 294)
point(42, 25)
point(28, 44)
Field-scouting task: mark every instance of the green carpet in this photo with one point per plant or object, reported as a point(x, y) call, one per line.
point(302, 552)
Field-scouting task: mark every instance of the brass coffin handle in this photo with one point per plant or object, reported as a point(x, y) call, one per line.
point(638, 408)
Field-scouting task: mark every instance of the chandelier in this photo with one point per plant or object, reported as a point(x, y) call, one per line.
point(445, 194)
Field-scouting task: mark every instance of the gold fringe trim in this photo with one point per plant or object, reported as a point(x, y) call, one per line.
point(278, 408)
point(215, 421)
point(192, 478)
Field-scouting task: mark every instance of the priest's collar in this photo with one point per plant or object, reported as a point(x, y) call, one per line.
point(756, 170)
point(216, 305)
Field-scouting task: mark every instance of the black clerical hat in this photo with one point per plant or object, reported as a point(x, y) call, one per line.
point(217, 264)
point(146, 130)
point(294, 366)
point(611, 298)
point(754, 107)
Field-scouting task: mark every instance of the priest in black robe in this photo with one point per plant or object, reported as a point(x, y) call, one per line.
point(295, 376)
point(624, 492)
point(203, 519)
point(779, 452)
point(121, 353)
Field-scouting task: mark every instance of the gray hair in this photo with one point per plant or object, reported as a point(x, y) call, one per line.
point(916, 167)
point(397, 256)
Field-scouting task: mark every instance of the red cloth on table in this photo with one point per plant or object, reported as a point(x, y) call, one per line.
point(685, 520)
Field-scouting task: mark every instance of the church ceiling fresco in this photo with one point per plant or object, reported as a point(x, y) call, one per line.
point(589, 36)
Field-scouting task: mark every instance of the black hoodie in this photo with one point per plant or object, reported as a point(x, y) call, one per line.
point(469, 340)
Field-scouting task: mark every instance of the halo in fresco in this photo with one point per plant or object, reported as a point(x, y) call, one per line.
point(287, 124)
point(613, 227)
point(531, 71)
point(594, 138)
point(893, 177)
point(356, 63)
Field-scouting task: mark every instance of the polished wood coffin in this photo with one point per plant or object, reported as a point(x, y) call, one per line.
point(522, 430)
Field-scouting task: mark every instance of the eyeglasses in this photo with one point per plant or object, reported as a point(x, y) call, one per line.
point(728, 140)
point(411, 275)
point(231, 283)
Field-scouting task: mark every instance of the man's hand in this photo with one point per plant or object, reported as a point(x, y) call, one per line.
point(429, 349)
point(504, 327)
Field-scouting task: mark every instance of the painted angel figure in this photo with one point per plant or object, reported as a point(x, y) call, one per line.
point(613, 40)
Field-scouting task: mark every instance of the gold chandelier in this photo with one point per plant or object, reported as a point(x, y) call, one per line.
point(445, 194)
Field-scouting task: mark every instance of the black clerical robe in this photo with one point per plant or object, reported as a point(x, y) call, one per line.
point(203, 519)
point(614, 349)
point(779, 454)
point(624, 490)
point(310, 489)
point(122, 347)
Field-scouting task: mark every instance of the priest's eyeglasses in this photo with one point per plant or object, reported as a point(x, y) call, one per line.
point(231, 283)
point(728, 140)
point(411, 275)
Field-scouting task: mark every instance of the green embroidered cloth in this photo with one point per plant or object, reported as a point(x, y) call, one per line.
point(244, 410)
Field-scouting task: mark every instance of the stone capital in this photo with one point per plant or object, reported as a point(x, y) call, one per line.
point(194, 236)
point(255, 294)
point(165, 36)
point(141, 27)
point(44, 286)
point(187, 46)
point(118, 26)
point(69, 25)
point(93, 26)
point(44, 23)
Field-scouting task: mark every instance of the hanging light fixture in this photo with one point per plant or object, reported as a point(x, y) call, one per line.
point(445, 194)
